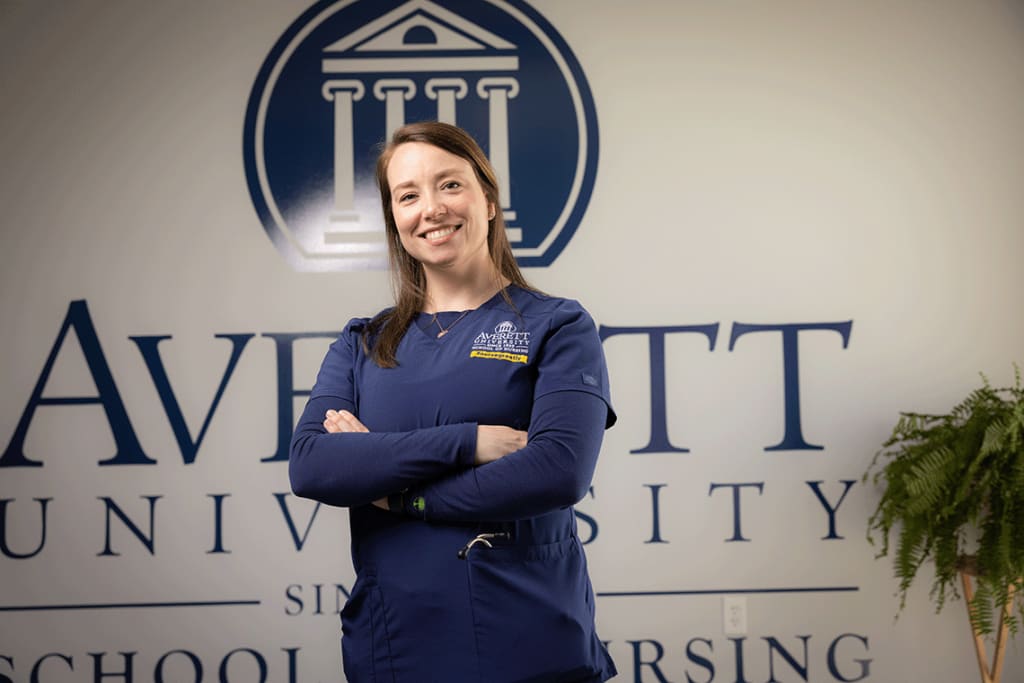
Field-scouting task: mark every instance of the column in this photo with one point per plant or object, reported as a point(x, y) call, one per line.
point(395, 92)
point(343, 94)
point(446, 91)
point(498, 91)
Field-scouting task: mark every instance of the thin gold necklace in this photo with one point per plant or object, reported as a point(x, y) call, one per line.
point(444, 330)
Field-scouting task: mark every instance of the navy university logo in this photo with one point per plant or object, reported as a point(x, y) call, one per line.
point(506, 343)
point(348, 72)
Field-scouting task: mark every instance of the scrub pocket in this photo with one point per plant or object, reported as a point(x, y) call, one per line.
point(533, 612)
point(365, 641)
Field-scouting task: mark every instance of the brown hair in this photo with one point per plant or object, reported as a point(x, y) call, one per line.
point(384, 332)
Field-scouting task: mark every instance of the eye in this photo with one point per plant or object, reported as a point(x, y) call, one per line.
point(451, 185)
point(406, 197)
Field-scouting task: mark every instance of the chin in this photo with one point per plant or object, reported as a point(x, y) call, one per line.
point(435, 260)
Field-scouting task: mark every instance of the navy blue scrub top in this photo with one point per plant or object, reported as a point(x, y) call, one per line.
point(519, 607)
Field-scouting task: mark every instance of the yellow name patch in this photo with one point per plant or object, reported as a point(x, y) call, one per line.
point(499, 355)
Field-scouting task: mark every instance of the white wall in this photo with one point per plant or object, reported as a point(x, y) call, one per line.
point(760, 162)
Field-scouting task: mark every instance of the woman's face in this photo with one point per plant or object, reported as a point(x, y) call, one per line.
point(439, 206)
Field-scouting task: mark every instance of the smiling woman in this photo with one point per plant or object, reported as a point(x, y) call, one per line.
point(434, 181)
point(440, 210)
point(459, 427)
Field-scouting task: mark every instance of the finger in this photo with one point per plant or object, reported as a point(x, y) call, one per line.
point(352, 423)
point(333, 422)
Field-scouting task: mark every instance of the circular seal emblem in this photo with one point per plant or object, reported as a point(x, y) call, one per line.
point(349, 72)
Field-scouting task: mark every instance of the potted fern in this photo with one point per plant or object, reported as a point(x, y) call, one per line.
point(953, 492)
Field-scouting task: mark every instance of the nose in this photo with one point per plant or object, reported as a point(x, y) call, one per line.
point(434, 206)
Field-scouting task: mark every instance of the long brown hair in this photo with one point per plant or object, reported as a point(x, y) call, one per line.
point(409, 283)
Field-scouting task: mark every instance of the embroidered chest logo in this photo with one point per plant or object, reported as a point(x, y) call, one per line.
point(505, 343)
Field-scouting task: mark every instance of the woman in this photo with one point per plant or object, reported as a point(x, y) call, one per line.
point(460, 427)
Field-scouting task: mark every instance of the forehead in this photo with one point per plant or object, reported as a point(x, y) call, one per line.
point(415, 161)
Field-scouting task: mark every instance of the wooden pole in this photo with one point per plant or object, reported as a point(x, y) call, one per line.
point(995, 674)
point(979, 643)
point(1004, 627)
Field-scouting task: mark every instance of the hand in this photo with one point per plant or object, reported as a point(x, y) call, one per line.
point(337, 422)
point(494, 442)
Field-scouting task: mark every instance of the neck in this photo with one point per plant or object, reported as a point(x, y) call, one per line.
point(451, 291)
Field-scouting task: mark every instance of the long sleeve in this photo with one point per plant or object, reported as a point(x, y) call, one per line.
point(552, 471)
point(357, 468)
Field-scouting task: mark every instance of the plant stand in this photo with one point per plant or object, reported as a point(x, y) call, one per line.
point(994, 674)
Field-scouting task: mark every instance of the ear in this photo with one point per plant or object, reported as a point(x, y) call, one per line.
point(492, 211)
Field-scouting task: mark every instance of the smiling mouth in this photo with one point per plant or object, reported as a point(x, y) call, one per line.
point(440, 232)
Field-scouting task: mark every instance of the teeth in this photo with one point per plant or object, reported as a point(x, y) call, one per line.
point(439, 233)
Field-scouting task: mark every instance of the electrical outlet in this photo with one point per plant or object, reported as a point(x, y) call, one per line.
point(734, 615)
